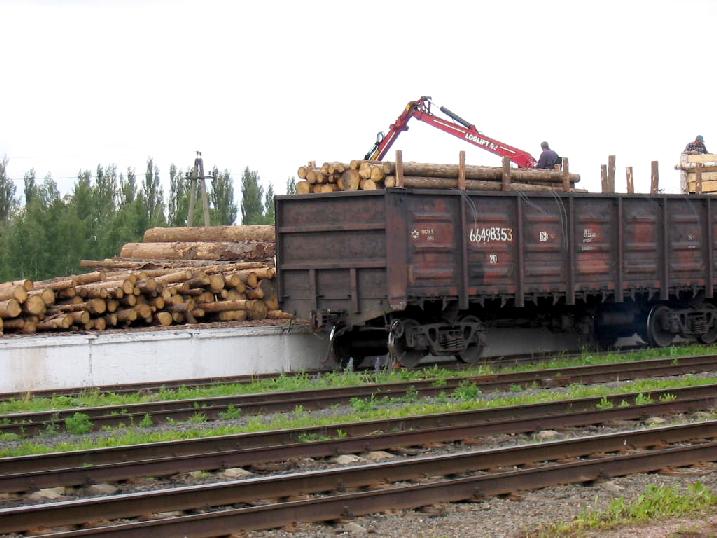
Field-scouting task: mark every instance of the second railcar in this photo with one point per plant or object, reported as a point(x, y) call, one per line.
point(423, 272)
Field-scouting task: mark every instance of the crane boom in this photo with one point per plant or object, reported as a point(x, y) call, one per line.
point(421, 110)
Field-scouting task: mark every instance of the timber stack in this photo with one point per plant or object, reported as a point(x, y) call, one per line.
point(217, 274)
point(373, 175)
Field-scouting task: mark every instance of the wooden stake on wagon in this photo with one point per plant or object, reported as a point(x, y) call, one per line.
point(566, 175)
point(654, 178)
point(603, 178)
point(698, 178)
point(629, 180)
point(399, 169)
point(611, 173)
point(461, 170)
point(505, 175)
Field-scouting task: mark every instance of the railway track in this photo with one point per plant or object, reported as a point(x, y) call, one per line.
point(212, 408)
point(27, 473)
point(268, 502)
point(148, 388)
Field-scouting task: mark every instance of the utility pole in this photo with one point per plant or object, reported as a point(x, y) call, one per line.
point(198, 174)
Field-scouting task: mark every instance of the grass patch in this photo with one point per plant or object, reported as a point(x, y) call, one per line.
point(360, 410)
point(94, 398)
point(78, 424)
point(657, 502)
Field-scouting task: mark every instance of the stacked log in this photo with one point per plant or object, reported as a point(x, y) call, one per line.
point(372, 175)
point(180, 275)
point(125, 299)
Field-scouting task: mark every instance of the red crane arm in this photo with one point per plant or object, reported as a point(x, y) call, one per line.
point(421, 110)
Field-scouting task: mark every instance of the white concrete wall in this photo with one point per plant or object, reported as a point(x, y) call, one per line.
point(69, 361)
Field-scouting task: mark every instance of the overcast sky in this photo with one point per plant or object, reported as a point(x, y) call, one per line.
point(271, 85)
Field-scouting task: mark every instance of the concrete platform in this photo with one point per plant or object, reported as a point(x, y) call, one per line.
point(50, 362)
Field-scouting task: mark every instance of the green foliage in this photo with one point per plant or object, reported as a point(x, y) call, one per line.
point(252, 198)
point(221, 198)
point(48, 235)
point(231, 413)
point(146, 421)
point(78, 423)
point(291, 185)
point(8, 203)
point(269, 213)
point(605, 404)
point(657, 502)
point(466, 390)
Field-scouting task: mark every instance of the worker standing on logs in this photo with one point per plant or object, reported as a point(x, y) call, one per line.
point(548, 158)
point(697, 147)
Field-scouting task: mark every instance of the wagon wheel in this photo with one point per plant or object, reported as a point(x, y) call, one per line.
point(710, 337)
point(656, 335)
point(408, 357)
point(473, 352)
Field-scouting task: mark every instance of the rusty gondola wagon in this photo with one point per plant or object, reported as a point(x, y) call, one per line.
point(424, 272)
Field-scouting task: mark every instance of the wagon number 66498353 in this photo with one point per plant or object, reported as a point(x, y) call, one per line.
point(492, 233)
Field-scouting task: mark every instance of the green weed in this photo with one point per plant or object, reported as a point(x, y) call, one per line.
point(231, 413)
point(657, 502)
point(78, 423)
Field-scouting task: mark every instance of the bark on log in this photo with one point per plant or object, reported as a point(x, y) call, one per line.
point(56, 283)
point(10, 308)
point(34, 305)
point(278, 314)
point(420, 182)
point(156, 268)
point(67, 293)
point(246, 232)
point(233, 295)
point(224, 306)
point(19, 293)
point(126, 314)
point(368, 185)
point(79, 318)
point(93, 306)
point(54, 323)
point(244, 250)
point(163, 318)
point(350, 180)
point(15, 324)
point(216, 282)
point(27, 284)
point(89, 278)
point(257, 310)
point(478, 172)
point(48, 296)
point(173, 277)
point(232, 315)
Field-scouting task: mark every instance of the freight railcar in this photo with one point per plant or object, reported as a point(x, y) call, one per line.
point(420, 272)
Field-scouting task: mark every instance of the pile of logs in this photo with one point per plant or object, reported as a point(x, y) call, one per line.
point(372, 175)
point(155, 285)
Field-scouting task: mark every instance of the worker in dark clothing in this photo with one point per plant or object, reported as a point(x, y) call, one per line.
point(548, 158)
point(697, 147)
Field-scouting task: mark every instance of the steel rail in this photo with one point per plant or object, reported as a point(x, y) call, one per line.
point(31, 423)
point(209, 382)
point(101, 465)
point(313, 482)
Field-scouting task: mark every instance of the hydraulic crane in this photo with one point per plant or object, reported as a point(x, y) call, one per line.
point(421, 110)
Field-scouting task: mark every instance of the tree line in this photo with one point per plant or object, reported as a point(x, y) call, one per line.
point(44, 234)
